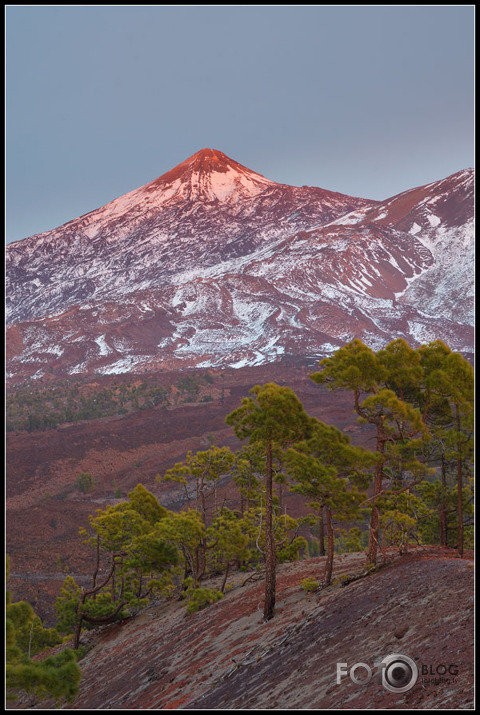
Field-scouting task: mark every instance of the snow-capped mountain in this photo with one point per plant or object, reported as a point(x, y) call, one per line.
point(213, 264)
point(205, 211)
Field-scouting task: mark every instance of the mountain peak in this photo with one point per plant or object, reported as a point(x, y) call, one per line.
point(208, 160)
point(211, 175)
point(212, 154)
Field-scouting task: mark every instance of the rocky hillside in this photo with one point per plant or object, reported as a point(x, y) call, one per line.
point(419, 605)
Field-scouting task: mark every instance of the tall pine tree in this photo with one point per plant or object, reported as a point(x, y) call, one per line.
point(273, 416)
point(370, 376)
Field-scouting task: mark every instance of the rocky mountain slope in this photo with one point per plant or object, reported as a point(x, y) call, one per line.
point(213, 264)
point(419, 605)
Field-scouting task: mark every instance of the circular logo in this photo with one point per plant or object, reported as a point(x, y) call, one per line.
point(399, 673)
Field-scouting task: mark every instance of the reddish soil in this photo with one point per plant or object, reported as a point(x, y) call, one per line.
point(225, 657)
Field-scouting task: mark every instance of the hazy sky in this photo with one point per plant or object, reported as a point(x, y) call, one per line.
point(365, 100)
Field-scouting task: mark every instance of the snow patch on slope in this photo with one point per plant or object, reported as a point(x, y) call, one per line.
point(447, 287)
point(104, 348)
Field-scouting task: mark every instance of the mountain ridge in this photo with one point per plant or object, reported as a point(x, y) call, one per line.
point(219, 265)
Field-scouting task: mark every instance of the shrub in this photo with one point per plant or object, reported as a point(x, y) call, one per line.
point(309, 584)
point(85, 483)
point(199, 598)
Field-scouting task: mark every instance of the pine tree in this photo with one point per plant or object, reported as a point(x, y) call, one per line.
point(231, 534)
point(136, 555)
point(186, 532)
point(328, 470)
point(273, 416)
point(56, 676)
point(448, 396)
point(247, 474)
point(205, 469)
point(397, 423)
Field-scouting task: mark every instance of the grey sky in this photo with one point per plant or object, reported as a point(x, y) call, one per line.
point(364, 100)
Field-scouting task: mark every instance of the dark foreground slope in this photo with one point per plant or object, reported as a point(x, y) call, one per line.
point(225, 657)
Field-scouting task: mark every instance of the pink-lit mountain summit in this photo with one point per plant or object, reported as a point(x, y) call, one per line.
point(213, 264)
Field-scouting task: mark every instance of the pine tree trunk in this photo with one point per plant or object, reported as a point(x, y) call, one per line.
point(377, 488)
point(200, 562)
point(227, 571)
point(122, 580)
point(373, 536)
point(459, 487)
point(321, 532)
point(77, 632)
point(97, 562)
point(330, 543)
point(270, 556)
point(443, 509)
point(78, 625)
point(242, 503)
point(203, 506)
